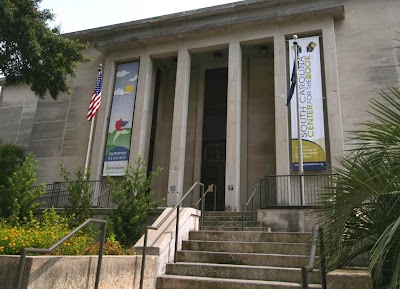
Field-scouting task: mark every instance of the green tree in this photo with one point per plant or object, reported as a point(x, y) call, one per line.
point(31, 52)
point(79, 207)
point(22, 197)
point(361, 214)
point(11, 157)
point(133, 198)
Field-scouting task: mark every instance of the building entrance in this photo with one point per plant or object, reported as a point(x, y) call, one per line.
point(214, 136)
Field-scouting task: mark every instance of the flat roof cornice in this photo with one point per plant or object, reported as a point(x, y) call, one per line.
point(178, 25)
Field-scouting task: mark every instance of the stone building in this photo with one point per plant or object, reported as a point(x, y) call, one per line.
point(208, 92)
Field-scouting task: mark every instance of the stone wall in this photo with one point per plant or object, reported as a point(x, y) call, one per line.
point(288, 220)
point(367, 55)
point(77, 272)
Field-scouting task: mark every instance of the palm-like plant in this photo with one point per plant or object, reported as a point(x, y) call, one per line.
point(361, 213)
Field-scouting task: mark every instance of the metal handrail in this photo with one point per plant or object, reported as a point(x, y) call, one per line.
point(251, 198)
point(177, 206)
point(214, 189)
point(101, 195)
point(322, 257)
point(285, 190)
point(310, 267)
point(57, 193)
point(25, 251)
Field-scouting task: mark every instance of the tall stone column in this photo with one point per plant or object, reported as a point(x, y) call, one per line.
point(281, 117)
point(179, 127)
point(334, 113)
point(143, 111)
point(281, 111)
point(233, 123)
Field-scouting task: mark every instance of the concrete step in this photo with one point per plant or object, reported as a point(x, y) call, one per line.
point(229, 218)
point(240, 236)
point(247, 247)
point(231, 224)
point(241, 272)
point(252, 259)
point(227, 214)
point(190, 282)
point(221, 228)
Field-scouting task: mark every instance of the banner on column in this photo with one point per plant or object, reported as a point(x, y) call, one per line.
point(120, 124)
point(311, 105)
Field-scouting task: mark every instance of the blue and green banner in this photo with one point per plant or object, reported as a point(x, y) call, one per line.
point(310, 105)
point(121, 117)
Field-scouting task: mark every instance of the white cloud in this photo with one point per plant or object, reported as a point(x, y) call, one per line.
point(133, 79)
point(122, 73)
point(119, 91)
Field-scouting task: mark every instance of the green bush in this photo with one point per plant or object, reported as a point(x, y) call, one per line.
point(21, 197)
point(361, 213)
point(79, 208)
point(48, 231)
point(111, 247)
point(11, 157)
point(133, 198)
point(41, 234)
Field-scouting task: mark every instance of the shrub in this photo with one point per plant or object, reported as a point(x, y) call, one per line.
point(111, 247)
point(361, 213)
point(21, 198)
point(133, 198)
point(79, 197)
point(42, 234)
point(48, 231)
point(11, 157)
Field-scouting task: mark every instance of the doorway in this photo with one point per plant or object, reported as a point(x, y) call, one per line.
point(214, 136)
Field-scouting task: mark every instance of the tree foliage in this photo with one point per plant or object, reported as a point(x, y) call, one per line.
point(361, 214)
point(79, 207)
point(31, 52)
point(133, 198)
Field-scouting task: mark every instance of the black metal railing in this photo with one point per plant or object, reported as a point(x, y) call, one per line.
point(177, 208)
point(57, 195)
point(251, 199)
point(25, 251)
point(211, 189)
point(317, 235)
point(286, 190)
point(104, 198)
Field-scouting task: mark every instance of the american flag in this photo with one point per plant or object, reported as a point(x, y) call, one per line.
point(96, 97)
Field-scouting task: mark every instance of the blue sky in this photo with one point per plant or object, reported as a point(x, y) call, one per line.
point(75, 15)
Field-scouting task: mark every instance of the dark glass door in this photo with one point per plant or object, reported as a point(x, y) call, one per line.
point(214, 136)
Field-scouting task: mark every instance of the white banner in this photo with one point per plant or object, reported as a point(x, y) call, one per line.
point(311, 105)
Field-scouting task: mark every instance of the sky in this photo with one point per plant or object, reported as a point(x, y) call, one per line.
point(75, 15)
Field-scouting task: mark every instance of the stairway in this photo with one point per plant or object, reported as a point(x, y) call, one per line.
point(231, 221)
point(222, 259)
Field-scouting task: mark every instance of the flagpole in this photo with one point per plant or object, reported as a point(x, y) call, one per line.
point(89, 147)
point(299, 139)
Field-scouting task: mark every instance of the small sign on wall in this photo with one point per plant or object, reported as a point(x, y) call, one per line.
point(230, 187)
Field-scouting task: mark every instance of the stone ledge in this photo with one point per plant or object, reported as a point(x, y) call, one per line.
point(349, 279)
point(185, 24)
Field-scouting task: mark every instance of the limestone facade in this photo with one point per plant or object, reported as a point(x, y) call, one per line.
point(359, 58)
